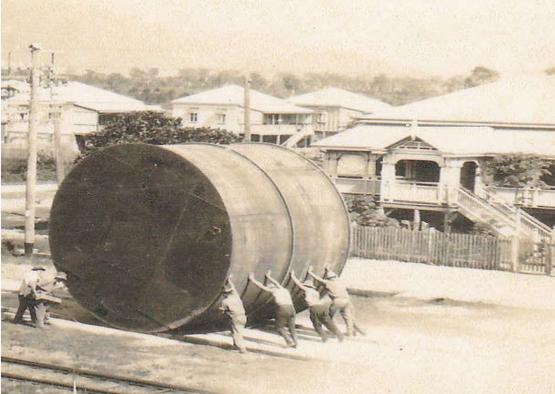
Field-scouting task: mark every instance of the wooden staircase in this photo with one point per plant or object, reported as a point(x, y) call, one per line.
point(505, 218)
point(292, 141)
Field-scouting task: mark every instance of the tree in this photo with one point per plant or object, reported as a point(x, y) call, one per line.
point(258, 82)
point(479, 76)
point(518, 170)
point(151, 128)
point(365, 212)
point(116, 82)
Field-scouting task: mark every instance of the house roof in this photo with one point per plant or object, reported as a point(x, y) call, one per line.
point(335, 97)
point(524, 100)
point(234, 95)
point(464, 141)
point(87, 96)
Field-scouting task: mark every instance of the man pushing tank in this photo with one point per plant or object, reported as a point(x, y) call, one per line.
point(341, 301)
point(319, 309)
point(284, 309)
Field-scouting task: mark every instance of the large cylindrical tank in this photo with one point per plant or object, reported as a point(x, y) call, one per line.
point(149, 234)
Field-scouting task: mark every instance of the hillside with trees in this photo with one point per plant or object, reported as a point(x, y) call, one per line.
point(149, 86)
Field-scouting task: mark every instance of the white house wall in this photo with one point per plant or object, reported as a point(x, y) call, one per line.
point(74, 120)
point(335, 118)
point(207, 116)
point(79, 120)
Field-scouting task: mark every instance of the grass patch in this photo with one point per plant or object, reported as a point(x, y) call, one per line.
point(14, 170)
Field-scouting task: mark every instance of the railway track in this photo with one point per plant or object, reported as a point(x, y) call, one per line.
point(83, 380)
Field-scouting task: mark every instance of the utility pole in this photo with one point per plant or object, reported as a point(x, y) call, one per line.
point(32, 154)
point(58, 154)
point(9, 64)
point(247, 109)
point(56, 111)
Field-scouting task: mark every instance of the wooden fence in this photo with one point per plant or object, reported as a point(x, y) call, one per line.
point(450, 249)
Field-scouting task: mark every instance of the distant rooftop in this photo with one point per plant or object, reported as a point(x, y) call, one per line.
point(525, 100)
point(335, 97)
point(466, 141)
point(18, 85)
point(234, 95)
point(87, 96)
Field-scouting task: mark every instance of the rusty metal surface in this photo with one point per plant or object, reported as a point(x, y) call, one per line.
point(318, 214)
point(148, 234)
point(261, 230)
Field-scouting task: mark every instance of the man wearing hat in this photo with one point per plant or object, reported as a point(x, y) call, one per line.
point(46, 290)
point(319, 309)
point(27, 294)
point(341, 301)
point(284, 309)
point(233, 309)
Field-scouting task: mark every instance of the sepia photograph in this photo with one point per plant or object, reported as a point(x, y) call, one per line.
point(278, 196)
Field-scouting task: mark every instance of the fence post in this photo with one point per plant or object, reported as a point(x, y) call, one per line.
point(550, 253)
point(354, 240)
point(515, 245)
point(515, 252)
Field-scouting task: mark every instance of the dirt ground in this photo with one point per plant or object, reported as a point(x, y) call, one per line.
point(410, 347)
point(173, 361)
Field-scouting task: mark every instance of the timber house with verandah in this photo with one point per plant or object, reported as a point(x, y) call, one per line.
point(272, 120)
point(335, 109)
point(429, 156)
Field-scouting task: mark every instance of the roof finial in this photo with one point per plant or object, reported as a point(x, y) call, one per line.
point(413, 127)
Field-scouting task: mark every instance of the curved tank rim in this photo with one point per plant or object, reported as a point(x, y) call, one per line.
point(330, 181)
point(197, 311)
point(291, 235)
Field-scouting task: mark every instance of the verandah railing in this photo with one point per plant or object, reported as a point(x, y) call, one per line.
point(450, 249)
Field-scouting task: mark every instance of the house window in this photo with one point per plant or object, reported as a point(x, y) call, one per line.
point(401, 169)
point(274, 119)
point(221, 118)
point(193, 117)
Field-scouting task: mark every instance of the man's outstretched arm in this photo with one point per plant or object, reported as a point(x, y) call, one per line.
point(315, 277)
point(297, 282)
point(258, 284)
point(269, 277)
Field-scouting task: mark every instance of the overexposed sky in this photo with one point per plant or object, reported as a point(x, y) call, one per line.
point(411, 37)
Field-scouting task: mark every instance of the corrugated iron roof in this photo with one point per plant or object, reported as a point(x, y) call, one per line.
point(524, 100)
point(234, 95)
point(335, 97)
point(466, 141)
point(87, 96)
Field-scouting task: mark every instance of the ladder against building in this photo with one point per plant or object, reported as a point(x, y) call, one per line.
point(505, 218)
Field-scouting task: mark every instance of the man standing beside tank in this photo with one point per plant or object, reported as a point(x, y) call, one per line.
point(27, 295)
point(319, 309)
point(341, 301)
point(284, 309)
point(233, 309)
